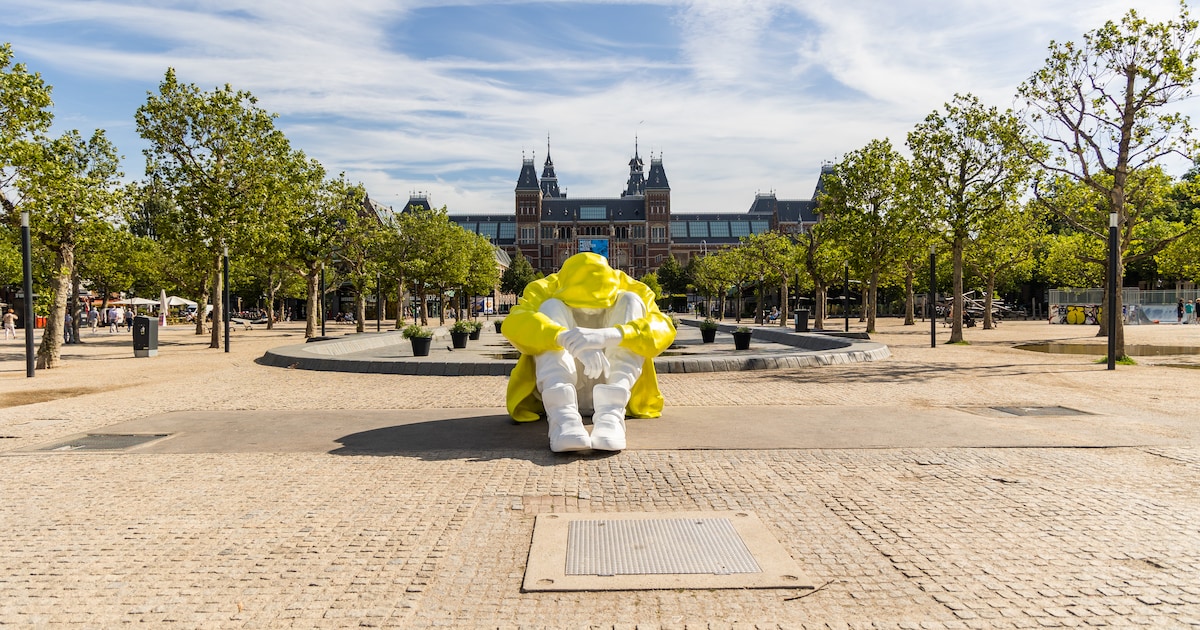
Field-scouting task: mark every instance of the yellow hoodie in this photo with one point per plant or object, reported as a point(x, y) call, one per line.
point(585, 281)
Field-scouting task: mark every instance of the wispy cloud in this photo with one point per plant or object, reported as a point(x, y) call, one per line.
point(738, 95)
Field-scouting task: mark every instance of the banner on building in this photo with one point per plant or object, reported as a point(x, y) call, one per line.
point(594, 245)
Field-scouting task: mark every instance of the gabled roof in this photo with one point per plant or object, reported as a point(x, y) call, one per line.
point(657, 179)
point(528, 179)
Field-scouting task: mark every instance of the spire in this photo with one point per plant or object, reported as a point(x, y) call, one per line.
point(637, 182)
point(549, 179)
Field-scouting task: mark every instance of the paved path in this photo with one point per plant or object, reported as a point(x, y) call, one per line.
point(313, 499)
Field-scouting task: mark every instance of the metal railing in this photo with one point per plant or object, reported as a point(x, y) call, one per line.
point(1128, 296)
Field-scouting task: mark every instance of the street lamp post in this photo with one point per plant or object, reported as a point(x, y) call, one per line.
point(932, 300)
point(1113, 284)
point(27, 286)
point(378, 302)
point(225, 295)
point(321, 308)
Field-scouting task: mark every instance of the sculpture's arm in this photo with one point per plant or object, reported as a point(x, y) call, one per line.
point(529, 331)
point(647, 336)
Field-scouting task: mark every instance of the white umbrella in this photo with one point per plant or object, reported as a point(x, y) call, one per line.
point(175, 300)
point(162, 308)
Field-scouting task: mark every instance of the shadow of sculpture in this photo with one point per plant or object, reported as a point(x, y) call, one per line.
point(479, 438)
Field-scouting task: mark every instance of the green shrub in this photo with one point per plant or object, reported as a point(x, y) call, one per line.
point(414, 330)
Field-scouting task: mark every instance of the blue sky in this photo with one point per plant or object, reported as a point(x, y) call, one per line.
point(445, 97)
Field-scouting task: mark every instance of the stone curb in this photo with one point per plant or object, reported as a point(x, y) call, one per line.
point(812, 349)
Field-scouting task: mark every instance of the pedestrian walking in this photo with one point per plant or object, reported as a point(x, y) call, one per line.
point(1179, 312)
point(93, 318)
point(10, 325)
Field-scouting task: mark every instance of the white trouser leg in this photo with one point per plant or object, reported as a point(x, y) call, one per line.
point(610, 399)
point(557, 378)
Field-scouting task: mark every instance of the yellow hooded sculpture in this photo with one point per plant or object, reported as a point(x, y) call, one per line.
point(585, 281)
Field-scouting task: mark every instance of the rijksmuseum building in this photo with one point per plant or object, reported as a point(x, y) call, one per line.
point(636, 230)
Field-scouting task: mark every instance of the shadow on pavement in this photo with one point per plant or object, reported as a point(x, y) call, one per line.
point(484, 437)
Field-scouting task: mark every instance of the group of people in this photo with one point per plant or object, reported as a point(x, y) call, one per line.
point(1188, 312)
point(114, 317)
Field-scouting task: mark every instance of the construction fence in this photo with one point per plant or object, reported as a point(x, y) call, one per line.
point(1083, 306)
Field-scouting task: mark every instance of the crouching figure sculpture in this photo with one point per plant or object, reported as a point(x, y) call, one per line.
point(588, 336)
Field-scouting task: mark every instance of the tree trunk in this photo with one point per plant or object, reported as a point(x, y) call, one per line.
point(271, 299)
point(956, 301)
point(783, 307)
point(910, 300)
point(400, 310)
point(820, 295)
point(360, 310)
point(203, 302)
point(312, 281)
point(870, 306)
point(49, 353)
point(74, 302)
point(988, 324)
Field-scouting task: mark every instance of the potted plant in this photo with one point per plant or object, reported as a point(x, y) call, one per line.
point(420, 337)
point(476, 328)
point(741, 338)
point(459, 333)
point(708, 330)
point(498, 323)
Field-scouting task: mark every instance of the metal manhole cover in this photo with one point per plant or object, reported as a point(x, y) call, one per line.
point(1041, 411)
point(648, 547)
point(105, 442)
point(642, 551)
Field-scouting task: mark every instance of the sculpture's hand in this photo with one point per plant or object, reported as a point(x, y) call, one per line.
point(576, 340)
point(594, 363)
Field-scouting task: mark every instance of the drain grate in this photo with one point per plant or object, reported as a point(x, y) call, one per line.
point(664, 550)
point(105, 442)
point(1041, 411)
point(657, 546)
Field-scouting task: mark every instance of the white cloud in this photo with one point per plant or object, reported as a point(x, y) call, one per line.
point(757, 96)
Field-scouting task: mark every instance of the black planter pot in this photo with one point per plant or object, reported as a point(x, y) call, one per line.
point(708, 336)
point(420, 346)
point(459, 339)
point(474, 335)
point(741, 340)
point(498, 322)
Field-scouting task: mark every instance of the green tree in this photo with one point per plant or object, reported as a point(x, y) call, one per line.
point(70, 188)
point(24, 113)
point(672, 277)
point(1002, 250)
point(428, 251)
point(1103, 107)
point(968, 162)
point(1072, 259)
point(651, 280)
point(775, 258)
point(483, 272)
point(866, 202)
point(712, 280)
point(518, 274)
point(220, 158)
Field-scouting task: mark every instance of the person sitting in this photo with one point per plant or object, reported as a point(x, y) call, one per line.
point(588, 336)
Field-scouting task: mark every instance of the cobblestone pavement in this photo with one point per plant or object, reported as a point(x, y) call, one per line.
point(895, 537)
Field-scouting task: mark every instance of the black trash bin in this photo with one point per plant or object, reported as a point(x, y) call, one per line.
point(145, 337)
point(801, 320)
